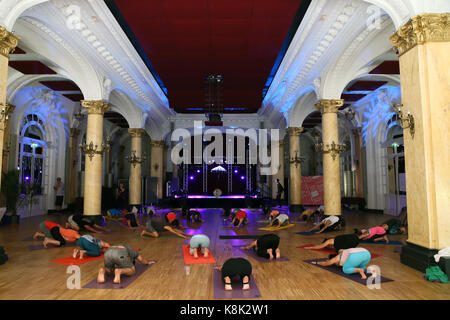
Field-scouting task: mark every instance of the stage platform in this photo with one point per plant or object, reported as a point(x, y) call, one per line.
point(206, 201)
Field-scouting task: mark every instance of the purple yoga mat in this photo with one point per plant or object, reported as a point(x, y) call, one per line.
point(398, 250)
point(392, 242)
point(251, 253)
point(338, 270)
point(31, 239)
point(50, 246)
point(124, 280)
point(237, 292)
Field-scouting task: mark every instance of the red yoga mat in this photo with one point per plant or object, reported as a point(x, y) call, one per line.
point(188, 259)
point(76, 261)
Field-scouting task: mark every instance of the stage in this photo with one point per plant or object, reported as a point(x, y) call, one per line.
point(205, 201)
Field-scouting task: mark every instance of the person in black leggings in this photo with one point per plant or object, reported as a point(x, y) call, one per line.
point(236, 267)
point(266, 246)
point(344, 241)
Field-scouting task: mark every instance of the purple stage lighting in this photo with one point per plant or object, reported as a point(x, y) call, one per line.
point(198, 171)
point(242, 177)
point(235, 171)
point(27, 178)
point(191, 177)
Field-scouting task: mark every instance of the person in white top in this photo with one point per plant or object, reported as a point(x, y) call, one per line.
point(330, 223)
point(279, 220)
point(59, 190)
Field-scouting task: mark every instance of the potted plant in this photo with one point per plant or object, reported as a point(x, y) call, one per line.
point(11, 189)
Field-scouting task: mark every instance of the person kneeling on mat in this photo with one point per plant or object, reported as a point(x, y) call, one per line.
point(80, 222)
point(53, 233)
point(194, 216)
point(130, 218)
point(171, 218)
point(199, 241)
point(395, 226)
point(120, 259)
point(344, 241)
point(374, 234)
point(352, 260)
point(154, 228)
point(278, 220)
point(266, 246)
point(312, 214)
point(330, 223)
point(91, 246)
point(240, 219)
point(236, 267)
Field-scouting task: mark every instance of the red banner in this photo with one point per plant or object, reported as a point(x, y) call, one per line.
point(312, 190)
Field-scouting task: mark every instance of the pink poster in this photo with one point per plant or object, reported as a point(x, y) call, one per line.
point(312, 190)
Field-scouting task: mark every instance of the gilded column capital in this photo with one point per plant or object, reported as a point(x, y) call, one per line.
point(8, 42)
point(95, 106)
point(295, 131)
point(136, 132)
point(74, 132)
point(5, 111)
point(159, 144)
point(329, 105)
point(427, 27)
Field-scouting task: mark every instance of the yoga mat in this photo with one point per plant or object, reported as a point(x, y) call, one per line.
point(398, 250)
point(267, 221)
point(138, 236)
point(277, 228)
point(246, 236)
point(338, 270)
point(31, 239)
point(307, 233)
point(236, 284)
point(50, 246)
point(188, 259)
point(125, 281)
point(326, 250)
point(76, 261)
point(251, 253)
point(394, 243)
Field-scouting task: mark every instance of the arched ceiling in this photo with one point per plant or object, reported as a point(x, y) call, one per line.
point(187, 40)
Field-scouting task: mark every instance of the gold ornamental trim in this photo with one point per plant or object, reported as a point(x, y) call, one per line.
point(5, 111)
point(95, 106)
point(329, 105)
point(295, 131)
point(136, 132)
point(428, 27)
point(159, 144)
point(8, 42)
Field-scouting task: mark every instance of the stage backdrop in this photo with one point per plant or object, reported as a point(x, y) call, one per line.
point(312, 190)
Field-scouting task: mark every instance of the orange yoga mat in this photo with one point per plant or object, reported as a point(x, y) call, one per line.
point(188, 259)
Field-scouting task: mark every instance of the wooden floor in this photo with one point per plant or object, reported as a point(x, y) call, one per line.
point(31, 274)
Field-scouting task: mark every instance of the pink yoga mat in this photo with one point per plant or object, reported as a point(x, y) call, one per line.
point(237, 292)
point(124, 280)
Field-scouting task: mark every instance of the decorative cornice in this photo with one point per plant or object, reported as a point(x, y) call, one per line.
point(8, 42)
point(159, 144)
point(95, 106)
point(5, 111)
point(136, 132)
point(74, 132)
point(427, 27)
point(295, 131)
point(357, 131)
point(329, 105)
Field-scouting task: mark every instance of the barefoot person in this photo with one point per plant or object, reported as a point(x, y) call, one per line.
point(239, 219)
point(330, 223)
point(199, 241)
point(374, 234)
point(80, 222)
point(53, 233)
point(352, 260)
point(344, 241)
point(278, 220)
point(154, 228)
point(119, 260)
point(236, 267)
point(266, 246)
point(91, 246)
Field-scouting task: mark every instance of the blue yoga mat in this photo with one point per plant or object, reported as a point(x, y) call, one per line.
point(307, 233)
